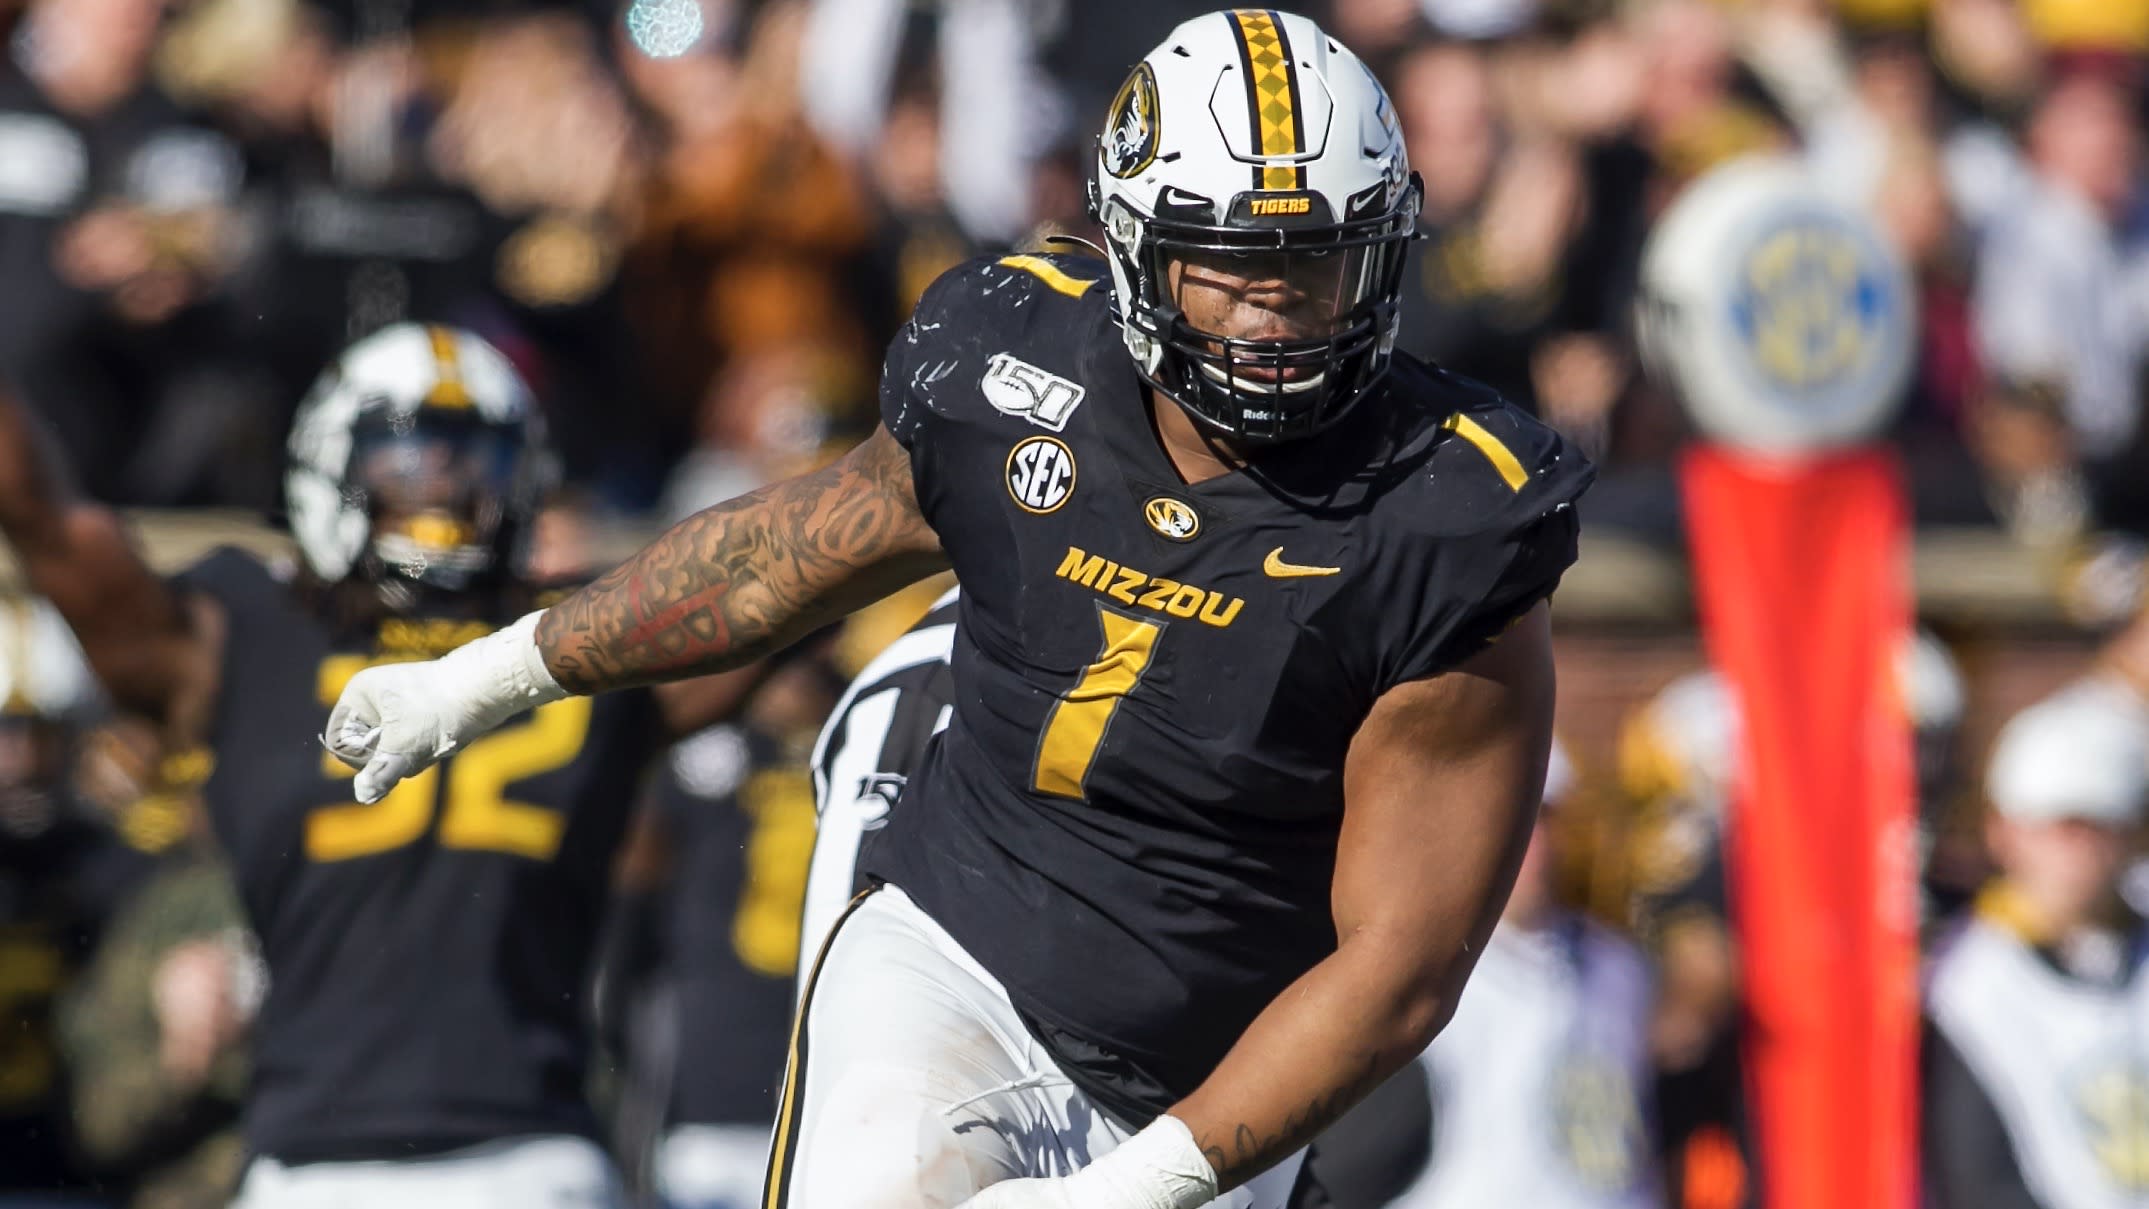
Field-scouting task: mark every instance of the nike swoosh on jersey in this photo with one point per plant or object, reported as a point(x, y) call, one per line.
point(1277, 568)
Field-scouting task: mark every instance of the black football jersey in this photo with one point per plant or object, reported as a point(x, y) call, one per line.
point(427, 954)
point(1132, 818)
point(737, 804)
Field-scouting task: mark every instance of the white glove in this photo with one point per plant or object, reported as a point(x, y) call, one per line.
point(1158, 1168)
point(393, 721)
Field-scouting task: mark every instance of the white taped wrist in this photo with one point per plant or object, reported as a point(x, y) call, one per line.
point(1160, 1167)
point(505, 672)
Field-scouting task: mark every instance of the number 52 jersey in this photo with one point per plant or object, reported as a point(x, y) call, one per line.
point(1132, 818)
point(427, 954)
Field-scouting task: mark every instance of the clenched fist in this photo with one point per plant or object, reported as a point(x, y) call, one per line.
point(393, 721)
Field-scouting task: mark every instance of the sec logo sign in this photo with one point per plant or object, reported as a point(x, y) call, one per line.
point(1783, 319)
point(1040, 474)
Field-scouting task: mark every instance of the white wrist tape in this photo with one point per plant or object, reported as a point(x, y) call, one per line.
point(498, 676)
point(1159, 1168)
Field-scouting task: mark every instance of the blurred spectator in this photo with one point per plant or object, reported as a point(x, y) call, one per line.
point(153, 1028)
point(115, 225)
point(918, 237)
point(2061, 319)
point(993, 112)
point(1089, 46)
point(2034, 1086)
point(1541, 1082)
point(1678, 761)
point(64, 871)
point(154, 1035)
point(771, 415)
point(1499, 216)
point(752, 238)
point(538, 130)
point(1986, 50)
point(489, 174)
point(1691, 114)
point(1376, 29)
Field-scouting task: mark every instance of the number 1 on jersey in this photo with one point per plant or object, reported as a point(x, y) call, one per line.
point(1076, 726)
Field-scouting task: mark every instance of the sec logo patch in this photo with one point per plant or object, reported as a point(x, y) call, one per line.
point(1040, 474)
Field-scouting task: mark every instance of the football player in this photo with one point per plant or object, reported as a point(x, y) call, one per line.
point(872, 743)
point(65, 871)
point(1253, 678)
point(422, 1039)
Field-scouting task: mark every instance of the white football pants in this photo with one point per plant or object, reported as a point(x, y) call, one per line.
point(912, 1083)
point(547, 1172)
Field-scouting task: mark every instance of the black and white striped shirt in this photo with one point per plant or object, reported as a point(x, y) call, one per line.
point(874, 738)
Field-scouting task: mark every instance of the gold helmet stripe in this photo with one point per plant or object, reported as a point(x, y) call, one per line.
point(1272, 101)
point(448, 389)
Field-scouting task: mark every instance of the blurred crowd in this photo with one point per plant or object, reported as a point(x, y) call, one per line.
point(693, 224)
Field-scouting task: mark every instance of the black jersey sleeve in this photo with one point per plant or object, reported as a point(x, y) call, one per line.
point(931, 399)
point(1495, 531)
point(240, 582)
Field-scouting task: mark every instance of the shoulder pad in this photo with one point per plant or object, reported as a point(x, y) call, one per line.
point(1029, 319)
point(977, 290)
point(1496, 468)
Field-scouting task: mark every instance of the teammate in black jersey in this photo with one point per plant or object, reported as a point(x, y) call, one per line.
point(1253, 684)
point(422, 1039)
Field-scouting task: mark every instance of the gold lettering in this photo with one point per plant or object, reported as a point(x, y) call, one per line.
point(1159, 588)
point(1211, 614)
point(1135, 587)
point(1282, 205)
point(1123, 591)
point(1081, 566)
point(423, 637)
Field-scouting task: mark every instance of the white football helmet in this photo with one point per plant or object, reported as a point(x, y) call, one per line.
point(1252, 141)
point(1684, 743)
point(43, 672)
point(418, 456)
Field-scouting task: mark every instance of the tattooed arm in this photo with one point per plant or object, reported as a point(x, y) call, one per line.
point(1440, 792)
point(747, 577)
point(720, 589)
